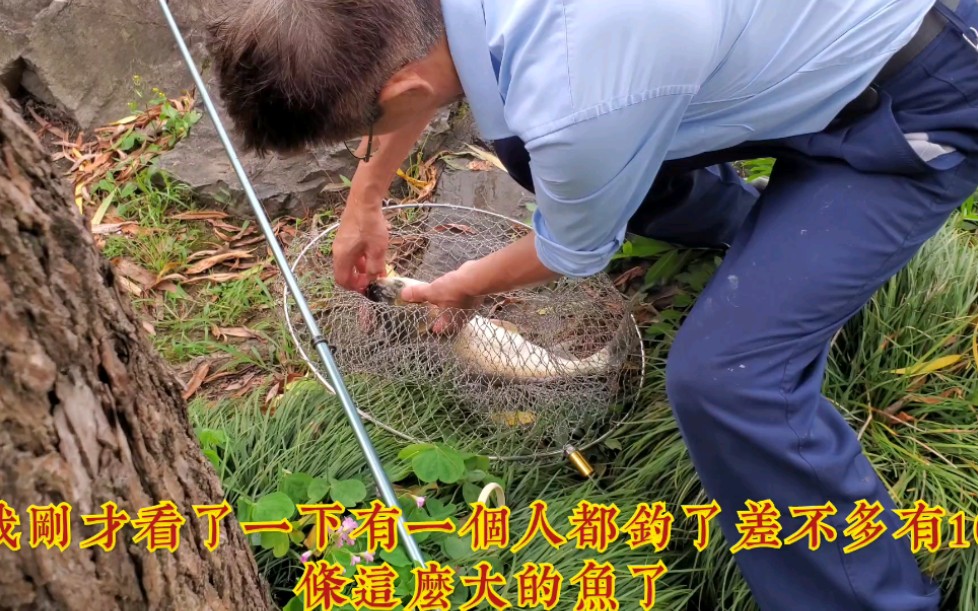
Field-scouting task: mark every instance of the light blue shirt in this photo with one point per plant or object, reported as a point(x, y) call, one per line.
point(603, 91)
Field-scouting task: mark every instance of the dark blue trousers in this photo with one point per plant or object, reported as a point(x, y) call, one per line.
point(846, 209)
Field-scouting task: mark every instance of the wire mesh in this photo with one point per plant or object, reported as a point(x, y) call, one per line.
point(530, 372)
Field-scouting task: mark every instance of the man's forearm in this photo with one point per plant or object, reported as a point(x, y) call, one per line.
point(513, 267)
point(373, 179)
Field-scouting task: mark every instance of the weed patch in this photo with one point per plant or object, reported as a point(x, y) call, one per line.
point(903, 372)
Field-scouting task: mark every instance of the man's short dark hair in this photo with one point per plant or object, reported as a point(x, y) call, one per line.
point(298, 72)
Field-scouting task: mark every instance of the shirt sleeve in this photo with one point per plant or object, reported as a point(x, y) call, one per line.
point(591, 176)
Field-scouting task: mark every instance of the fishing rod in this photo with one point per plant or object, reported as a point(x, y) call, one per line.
point(386, 489)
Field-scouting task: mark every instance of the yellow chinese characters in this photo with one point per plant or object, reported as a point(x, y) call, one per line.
point(649, 526)
point(539, 586)
point(596, 587)
point(433, 584)
point(160, 526)
point(375, 588)
point(539, 523)
point(50, 526)
point(322, 584)
point(112, 520)
point(593, 527)
point(214, 513)
point(704, 514)
point(922, 525)
point(489, 527)
point(485, 584)
point(814, 528)
point(9, 521)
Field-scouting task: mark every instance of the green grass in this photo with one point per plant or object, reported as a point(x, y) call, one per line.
point(919, 431)
point(164, 244)
point(926, 312)
point(186, 315)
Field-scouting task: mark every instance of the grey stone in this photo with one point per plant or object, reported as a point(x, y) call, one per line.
point(290, 186)
point(491, 190)
point(81, 55)
point(285, 185)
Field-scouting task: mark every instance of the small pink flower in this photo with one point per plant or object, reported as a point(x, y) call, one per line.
point(368, 556)
point(349, 524)
point(306, 556)
point(354, 560)
point(420, 501)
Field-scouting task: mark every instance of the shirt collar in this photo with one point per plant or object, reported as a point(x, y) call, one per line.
point(465, 28)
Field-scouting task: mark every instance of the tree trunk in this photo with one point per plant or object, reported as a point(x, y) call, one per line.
point(90, 414)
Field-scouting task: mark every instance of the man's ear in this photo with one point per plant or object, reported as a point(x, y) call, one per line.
point(406, 83)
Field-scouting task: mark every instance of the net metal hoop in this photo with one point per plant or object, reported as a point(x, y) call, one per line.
point(619, 422)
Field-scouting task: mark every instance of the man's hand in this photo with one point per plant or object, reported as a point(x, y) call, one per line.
point(513, 267)
point(450, 296)
point(359, 247)
point(360, 244)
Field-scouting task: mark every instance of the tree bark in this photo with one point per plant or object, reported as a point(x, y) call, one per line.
point(90, 414)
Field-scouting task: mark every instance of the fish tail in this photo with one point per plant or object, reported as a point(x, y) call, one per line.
point(621, 344)
point(612, 354)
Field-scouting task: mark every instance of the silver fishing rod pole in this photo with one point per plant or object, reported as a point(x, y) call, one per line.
point(386, 489)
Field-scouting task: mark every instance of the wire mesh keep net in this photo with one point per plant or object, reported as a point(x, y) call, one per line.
point(530, 372)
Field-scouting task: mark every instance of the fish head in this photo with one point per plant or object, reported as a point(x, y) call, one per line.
point(388, 290)
point(403, 321)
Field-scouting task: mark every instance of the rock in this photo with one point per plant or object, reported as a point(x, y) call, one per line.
point(291, 186)
point(80, 56)
point(285, 185)
point(491, 190)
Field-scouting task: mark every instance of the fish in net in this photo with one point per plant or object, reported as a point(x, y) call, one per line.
point(528, 374)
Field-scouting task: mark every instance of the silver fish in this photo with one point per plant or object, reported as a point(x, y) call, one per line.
point(497, 348)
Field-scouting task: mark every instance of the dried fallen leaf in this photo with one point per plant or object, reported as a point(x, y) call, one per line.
point(198, 378)
point(102, 209)
point(79, 199)
point(149, 327)
point(201, 254)
point(414, 182)
point(224, 237)
point(974, 345)
point(931, 366)
point(131, 286)
point(924, 400)
point(622, 280)
point(167, 286)
point(501, 304)
point(455, 228)
point(219, 375)
point(107, 228)
point(213, 260)
point(245, 231)
point(242, 332)
point(486, 156)
point(512, 419)
point(480, 165)
point(248, 242)
point(201, 215)
point(133, 271)
point(125, 121)
point(217, 224)
point(273, 392)
point(242, 386)
point(219, 277)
